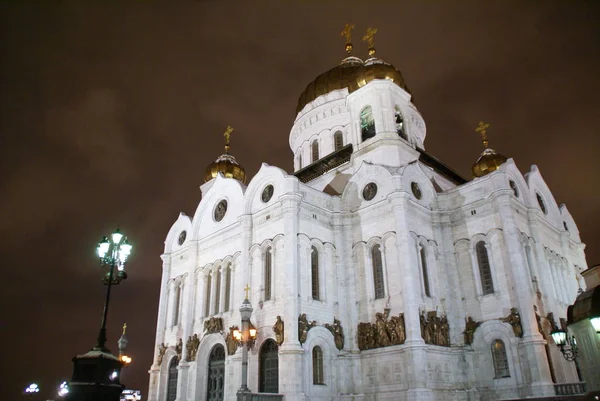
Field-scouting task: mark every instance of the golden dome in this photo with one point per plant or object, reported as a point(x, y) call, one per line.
point(226, 164)
point(353, 74)
point(489, 160)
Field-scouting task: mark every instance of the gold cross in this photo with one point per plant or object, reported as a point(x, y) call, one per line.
point(370, 37)
point(227, 134)
point(247, 289)
point(347, 33)
point(124, 327)
point(482, 130)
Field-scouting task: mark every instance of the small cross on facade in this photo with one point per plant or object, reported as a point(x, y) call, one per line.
point(247, 289)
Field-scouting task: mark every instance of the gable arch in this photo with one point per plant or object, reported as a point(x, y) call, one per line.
point(183, 223)
point(536, 184)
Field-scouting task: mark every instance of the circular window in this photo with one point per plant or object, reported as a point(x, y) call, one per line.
point(182, 236)
point(267, 193)
point(369, 191)
point(513, 186)
point(416, 190)
point(541, 203)
point(220, 210)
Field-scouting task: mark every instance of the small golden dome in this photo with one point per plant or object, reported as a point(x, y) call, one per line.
point(226, 164)
point(489, 160)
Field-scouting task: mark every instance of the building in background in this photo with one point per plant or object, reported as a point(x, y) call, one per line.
point(375, 271)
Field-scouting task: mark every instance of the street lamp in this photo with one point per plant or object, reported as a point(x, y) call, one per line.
point(122, 344)
point(32, 389)
point(246, 337)
point(567, 344)
point(63, 389)
point(112, 253)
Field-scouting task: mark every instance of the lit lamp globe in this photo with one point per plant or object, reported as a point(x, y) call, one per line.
point(559, 337)
point(32, 389)
point(595, 321)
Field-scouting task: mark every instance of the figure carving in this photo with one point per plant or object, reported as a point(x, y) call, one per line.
point(162, 348)
point(514, 319)
point(191, 348)
point(338, 333)
point(231, 342)
point(383, 333)
point(213, 325)
point(550, 318)
point(303, 327)
point(278, 328)
point(179, 349)
point(470, 327)
point(435, 329)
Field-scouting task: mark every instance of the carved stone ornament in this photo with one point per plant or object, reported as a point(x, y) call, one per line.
point(303, 327)
point(182, 236)
point(278, 328)
point(369, 191)
point(191, 348)
point(435, 329)
point(220, 210)
point(470, 328)
point(231, 342)
point(514, 319)
point(162, 348)
point(213, 325)
point(179, 349)
point(383, 333)
point(338, 333)
point(267, 193)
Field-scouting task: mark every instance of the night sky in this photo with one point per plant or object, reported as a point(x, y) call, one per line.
point(110, 114)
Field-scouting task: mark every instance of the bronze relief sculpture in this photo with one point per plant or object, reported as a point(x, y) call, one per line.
point(179, 349)
point(514, 319)
point(338, 333)
point(383, 332)
point(213, 325)
point(435, 329)
point(162, 348)
point(470, 327)
point(230, 341)
point(279, 328)
point(191, 348)
point(303, 327)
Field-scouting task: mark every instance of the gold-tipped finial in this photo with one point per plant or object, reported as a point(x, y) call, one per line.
point(482, 130)
point(370, 39)
point(124, 327)
point(347, 33)
point(227, 134)
point(246, 290)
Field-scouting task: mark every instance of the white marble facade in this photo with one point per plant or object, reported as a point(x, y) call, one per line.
point(535, 259)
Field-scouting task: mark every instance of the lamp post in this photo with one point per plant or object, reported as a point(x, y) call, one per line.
point(246, 337)
point(567, 344)
point(112, 253)
point(32, 389)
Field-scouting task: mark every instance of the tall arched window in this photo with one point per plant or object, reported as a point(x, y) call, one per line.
point(423, 257)
point(377, 272)
point(338, 140)
point(217, 291)
point(317, 361)
point(227, 287)
point(172, 380)
point(268, 368)
point(400, 124)
point(207, 296)
point(500, 360)
point(215, 388)
point(176, 304)
point(314, 272)
point(487, 285)
point(268, 272)
point(314, 149)
point(367, 123)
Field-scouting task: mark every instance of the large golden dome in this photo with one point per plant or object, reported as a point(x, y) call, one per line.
point(353, 74)
point(489, 160)
point(226, 164)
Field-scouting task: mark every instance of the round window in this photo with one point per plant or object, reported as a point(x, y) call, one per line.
point(182, 236)
point(267, 193)
point(513, 186)
point(416, 190)
point(541, 203)
point(369, 191)
point(220, 210)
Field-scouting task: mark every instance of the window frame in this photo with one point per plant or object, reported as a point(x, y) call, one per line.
point(318, 369)
point(314, 274)
point(268, 273)
point(486, 277)
point(377, 272)
point(500, 359)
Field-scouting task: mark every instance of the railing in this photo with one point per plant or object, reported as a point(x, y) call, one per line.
point(570, 388)
point(267, 397)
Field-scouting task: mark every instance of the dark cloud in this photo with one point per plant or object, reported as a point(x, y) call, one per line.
point(109, 115)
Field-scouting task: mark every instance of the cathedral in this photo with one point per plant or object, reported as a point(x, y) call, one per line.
point(375, 271)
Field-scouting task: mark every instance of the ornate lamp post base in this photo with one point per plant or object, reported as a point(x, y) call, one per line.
point(96, 377)
point(244, 395)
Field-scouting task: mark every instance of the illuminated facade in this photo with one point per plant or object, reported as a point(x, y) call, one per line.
point(394, 277)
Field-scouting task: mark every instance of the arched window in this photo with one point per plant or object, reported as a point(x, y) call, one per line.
point(314, 272)
point(227, 287)
point(207, 297)
point(268, 272)
point(487, 285)
point(423, 256)
point(367, 123)
point(400, 124)
point(217, 292)
point(377, 272)
point(172, 380)
point(317, 361)
point(215, 388)
point(269, 368)
point(500, 360)
point(176, 304)
point(338, 140)
point(314, 149)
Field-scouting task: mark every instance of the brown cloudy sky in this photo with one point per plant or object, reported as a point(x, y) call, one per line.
point(110, 113)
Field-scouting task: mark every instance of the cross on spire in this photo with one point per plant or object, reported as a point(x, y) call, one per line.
point(347, 33)
point(227, 134)
point(482, 130)
point(247, 289)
